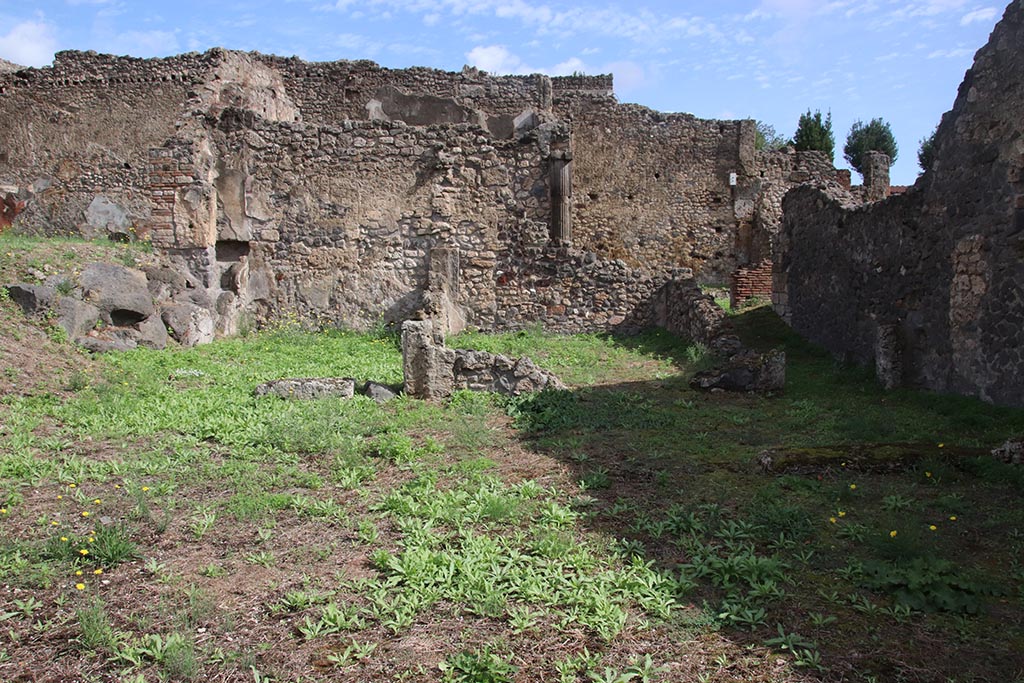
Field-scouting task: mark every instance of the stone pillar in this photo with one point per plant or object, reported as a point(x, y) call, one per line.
point(876, 176)
point(427, 365)
point(561, 197)
point(440, 300)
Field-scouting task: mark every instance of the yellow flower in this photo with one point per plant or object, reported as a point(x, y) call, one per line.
point(63, 538)
point(96, 501)
point(942, 445)
point(83, 552)
point(853, 487)
point(80, 586)
point(97, 571)
point(842, 513)
point(91, 539)
point(3, 511)
point(71, 486)
point(60, 497)
point(54, 523)
point(932, 527)
point(892, 534)
point(78, 573)
point(952, 518)
point(145, 488)
point(832, 519)
point(117, 486)
point(928, 474)
point(85, 513)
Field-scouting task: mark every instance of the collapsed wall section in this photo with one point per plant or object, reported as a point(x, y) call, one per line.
point(935, 277)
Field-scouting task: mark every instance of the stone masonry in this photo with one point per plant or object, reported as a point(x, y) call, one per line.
point(323, 189)
point(927, 285)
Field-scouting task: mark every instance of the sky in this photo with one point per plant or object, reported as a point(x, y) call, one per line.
point(770, 60)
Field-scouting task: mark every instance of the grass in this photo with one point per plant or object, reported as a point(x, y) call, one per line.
point(619, 531)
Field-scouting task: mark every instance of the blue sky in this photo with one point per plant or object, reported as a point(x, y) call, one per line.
point(771, 60)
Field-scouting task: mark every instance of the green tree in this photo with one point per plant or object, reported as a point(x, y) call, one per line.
point(926, 152)
point(815, 133)
point(768, 138)
point(875, 136)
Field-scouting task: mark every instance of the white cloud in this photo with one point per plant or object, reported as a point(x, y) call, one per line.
point(30, 43)
point(494, 59)
point(984, 15)
point(431, 19)
point(955, 53)
point(145, 43)
point(628, 76)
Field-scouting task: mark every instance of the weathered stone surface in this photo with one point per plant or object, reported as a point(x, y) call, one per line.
point(308, 388)
point(1011, 452)
point(381, 393)
point(106, 341)
point(75, 316)
point(152, 333)
point(942, 262)
point(188, 323)
point(746, 371)
point(32, 299)
point(889, 357)
point(105, 217)
point(434, 371)
point(427, 365)
point(121, 294)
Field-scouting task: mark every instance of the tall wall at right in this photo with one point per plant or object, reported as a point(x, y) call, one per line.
point(939, 270)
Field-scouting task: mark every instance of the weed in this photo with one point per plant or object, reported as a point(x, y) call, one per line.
point(477, 666)
point(95, 632)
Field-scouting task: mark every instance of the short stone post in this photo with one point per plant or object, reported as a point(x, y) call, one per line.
point(427, 364)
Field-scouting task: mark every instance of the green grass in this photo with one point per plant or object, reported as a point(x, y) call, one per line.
point(619, 530)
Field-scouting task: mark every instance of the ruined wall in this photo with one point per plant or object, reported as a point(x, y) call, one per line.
point(654, 189)
point(339, 222)
point(84, 127)
point(324, 188)
point(938, 270)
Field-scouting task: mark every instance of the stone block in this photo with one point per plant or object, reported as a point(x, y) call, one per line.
point(308, 388)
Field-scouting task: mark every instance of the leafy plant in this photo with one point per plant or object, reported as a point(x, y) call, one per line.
point(477, 666)
point(929, 584)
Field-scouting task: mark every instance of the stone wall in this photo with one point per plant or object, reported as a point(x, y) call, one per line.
point(322, 189)
point(938, 271)
point(654, 189)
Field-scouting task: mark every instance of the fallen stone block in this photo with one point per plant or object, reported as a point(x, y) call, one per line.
point(746, 371)
point(1011, 452)
point(76, 317)
point(381, 393)
point(32, 299)
point(309, 388)
point(121, 294)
